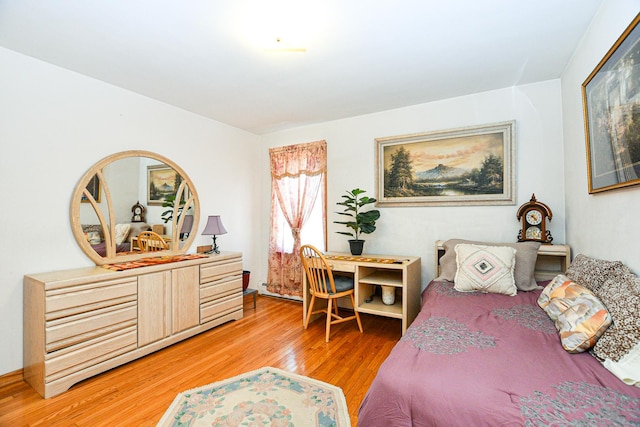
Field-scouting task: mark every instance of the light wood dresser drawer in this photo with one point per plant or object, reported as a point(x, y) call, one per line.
point(88, 353)
point(78, 299)
point(221, 306)
point(209, 272)
point(220, 288)
point(67, 331)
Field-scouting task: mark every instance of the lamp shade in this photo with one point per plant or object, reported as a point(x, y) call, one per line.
point(214, 226)
point(187, 224)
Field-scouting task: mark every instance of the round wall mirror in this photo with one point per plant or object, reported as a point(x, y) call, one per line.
point(133, 205)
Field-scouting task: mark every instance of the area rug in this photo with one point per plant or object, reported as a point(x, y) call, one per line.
point(265, 397)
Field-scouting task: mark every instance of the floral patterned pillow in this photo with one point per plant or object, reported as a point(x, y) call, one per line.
point(592, 272)
point(619, 346)
point(621, 295)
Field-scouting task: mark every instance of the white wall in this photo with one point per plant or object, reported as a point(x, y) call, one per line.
point(54, 125)
point(603, 225)
point(536, 108)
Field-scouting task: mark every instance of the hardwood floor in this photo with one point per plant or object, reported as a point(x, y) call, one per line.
point(138, 393)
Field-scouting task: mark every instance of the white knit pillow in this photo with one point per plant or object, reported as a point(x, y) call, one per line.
point(122, 231)
point(485, 269)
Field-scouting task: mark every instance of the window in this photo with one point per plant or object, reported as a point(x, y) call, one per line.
point(298, 212)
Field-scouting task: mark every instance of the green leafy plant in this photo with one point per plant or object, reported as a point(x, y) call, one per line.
point(170, 203)
point(360, 222)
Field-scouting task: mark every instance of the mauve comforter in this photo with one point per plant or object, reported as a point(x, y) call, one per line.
point(472, 359)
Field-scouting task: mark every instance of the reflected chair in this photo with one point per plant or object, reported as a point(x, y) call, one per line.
point(323, 284)
point(148, 241)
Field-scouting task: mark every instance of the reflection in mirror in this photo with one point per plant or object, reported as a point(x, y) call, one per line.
point(106, 215)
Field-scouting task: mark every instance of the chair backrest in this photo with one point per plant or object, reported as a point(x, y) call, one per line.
point(319, 275)
point(148, 241)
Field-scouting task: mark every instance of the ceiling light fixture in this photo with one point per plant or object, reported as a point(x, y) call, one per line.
point(281, 46)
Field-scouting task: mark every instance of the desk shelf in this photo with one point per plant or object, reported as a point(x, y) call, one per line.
point(379, 308)
point(372, 271)
point(382, 277)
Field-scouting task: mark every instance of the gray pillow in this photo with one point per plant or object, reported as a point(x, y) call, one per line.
point(526, 256)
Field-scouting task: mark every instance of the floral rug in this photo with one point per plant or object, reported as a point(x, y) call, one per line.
point(265, 397)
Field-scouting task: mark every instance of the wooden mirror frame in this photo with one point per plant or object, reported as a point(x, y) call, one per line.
point(176, 246)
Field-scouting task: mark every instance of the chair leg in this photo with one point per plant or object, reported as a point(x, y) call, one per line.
point(328, 319)
point(355, 311)
point(306, 320)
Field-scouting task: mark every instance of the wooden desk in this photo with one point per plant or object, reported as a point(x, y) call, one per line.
point(371, 271)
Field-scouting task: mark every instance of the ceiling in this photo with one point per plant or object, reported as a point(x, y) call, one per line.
point(363, 56)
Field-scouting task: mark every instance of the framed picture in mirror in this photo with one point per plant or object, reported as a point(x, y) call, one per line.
point(93, 187)
point(162, 183)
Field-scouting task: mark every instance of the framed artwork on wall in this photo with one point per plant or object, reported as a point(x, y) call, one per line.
point(465, 166)
point(93, 187)
point(162, 182)
point(611, 100)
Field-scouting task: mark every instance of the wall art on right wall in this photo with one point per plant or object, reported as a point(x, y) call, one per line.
point(611, 99)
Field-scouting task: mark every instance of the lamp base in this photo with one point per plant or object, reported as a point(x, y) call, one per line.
point(215, 249)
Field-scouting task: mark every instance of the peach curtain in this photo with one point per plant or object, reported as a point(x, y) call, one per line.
point(298, 174)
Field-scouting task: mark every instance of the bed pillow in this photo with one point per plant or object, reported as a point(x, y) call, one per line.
point(619, 346)
point(122, 231)
point(559, 283)
point(485, 268)
point(526, 256)
point(580, 317)
point(93, 237)
point(592, 272)
point(93, 233)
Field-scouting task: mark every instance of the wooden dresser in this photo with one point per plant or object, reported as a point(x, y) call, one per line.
point(79, 323)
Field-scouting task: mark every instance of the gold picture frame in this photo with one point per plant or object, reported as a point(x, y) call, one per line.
point(465, 166)
point(162, 182)
point(611, 101)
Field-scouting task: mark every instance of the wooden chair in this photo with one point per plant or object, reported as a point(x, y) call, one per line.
point(148, 241)
point(323, 284)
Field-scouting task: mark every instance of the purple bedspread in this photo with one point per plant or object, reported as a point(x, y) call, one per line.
point(473, 359)
point(101, 248)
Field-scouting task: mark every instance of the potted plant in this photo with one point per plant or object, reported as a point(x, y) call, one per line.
point(360, 222)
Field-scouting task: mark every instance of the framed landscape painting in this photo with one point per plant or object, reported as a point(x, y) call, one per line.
point(162, 183)
point(466, 166)
point(611, 98)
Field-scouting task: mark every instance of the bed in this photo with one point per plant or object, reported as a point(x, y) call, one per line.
point(475, 358)
point(124, 233)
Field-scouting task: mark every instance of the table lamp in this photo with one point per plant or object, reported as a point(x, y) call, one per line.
point(187, 224)
point(214, 228)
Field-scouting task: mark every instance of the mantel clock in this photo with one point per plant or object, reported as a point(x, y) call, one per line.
point(534, 215)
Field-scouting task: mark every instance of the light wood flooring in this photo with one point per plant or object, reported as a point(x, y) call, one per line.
point(138, 393)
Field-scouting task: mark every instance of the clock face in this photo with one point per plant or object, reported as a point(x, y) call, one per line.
point(137, 210)
point(533, 233)
point(533, 218)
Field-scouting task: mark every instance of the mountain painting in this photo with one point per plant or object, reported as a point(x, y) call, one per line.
point(452, 167)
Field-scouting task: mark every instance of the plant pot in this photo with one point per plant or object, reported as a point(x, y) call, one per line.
point(388, 295)
point(356, 246)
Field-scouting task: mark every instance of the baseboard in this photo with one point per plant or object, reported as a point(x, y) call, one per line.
point(11, 378)
point(262, 290)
